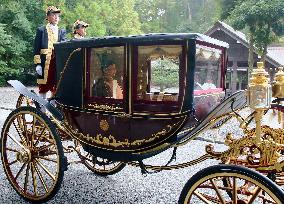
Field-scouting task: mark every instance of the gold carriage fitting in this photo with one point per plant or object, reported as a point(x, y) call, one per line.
point(121, 100)
point(261, 147)
point(278, 84)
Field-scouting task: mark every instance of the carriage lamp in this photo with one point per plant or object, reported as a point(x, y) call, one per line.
point(278, 84)
point(278, 90)
point(259, 95)
point(259, 89)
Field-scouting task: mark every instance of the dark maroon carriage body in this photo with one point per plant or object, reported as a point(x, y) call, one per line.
point(144, 121)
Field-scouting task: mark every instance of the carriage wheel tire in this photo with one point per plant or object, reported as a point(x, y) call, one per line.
point(105, 172)
point(33, 167)
point(229, 171)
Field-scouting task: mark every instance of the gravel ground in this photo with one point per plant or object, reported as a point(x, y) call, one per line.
point(128, 186)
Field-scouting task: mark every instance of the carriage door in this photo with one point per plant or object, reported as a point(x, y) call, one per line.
point(158, 83)
point(105, 96)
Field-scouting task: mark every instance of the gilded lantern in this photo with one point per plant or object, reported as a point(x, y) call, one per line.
point(278, 84)
point(259, 89)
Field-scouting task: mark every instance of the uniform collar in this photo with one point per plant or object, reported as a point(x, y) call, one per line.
point(77, 36)
point(53, 27)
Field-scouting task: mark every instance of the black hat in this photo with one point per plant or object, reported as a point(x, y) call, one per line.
point(78, 24)
point(105, 60)
point(52, 9)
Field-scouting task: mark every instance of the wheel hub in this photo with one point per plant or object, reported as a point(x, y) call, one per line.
point(24, 156)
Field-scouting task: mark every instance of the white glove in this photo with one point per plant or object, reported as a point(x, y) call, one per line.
point(39, 70)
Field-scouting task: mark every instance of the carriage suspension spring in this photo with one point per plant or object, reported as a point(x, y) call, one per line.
point(155, 169)
point(144, 168)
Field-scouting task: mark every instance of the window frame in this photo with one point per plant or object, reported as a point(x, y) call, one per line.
point(103, 100)
point(152, 106)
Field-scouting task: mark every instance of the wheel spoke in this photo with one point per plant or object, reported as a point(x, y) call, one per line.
point(217, 191)
point(16, 141)
point(39, 136)
point(45, 147)
point(201, 197)
point(47, 159)
point(235, 193)
point(98, 165)
point(11, 150)
point(13, 162)
point(41, 178)
point(34, 179)
point(230, 184)
point(257, 190)
point(20, 171)
point(19, 133)
point(25, 128)
point(45, 169)
point(27, 101)
point(48, 139)
point(33, 131)
point(27, 178)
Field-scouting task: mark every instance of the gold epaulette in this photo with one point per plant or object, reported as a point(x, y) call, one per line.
point(45, 51)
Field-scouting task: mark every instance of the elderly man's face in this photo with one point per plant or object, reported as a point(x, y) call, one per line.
point(53, 18)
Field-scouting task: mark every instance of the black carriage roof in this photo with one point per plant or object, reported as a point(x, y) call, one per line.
point(152, 37)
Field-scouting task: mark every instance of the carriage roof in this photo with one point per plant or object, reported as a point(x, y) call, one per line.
point(152, 37)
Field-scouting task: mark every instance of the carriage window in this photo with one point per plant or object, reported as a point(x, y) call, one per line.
point(106, 72)
point(158, 72)
point(208, 68)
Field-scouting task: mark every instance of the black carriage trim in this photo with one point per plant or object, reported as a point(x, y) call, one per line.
point(154, 37)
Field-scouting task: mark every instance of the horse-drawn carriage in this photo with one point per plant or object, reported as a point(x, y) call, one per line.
point(120, 100)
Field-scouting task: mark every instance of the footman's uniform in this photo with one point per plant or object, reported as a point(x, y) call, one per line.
point(44, 55)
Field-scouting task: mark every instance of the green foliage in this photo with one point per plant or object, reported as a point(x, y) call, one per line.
point(177, 16)
point(85, 11)
point(227, 6)
point(257, 16)
point(17, 31)
point(106, 17)
point(120, 17)
point(165, 74)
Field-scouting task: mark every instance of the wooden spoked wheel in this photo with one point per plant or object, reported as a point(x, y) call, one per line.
point(24, 101)
point(32, 154)
point(230, 184)
point(98, 165)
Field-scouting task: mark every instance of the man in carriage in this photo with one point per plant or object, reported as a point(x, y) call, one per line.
point(44, 57)
point(107, 85)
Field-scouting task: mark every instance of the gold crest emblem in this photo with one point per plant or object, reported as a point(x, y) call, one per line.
point(104, 125)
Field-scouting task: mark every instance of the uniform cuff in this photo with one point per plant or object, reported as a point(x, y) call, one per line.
point(37, 59)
